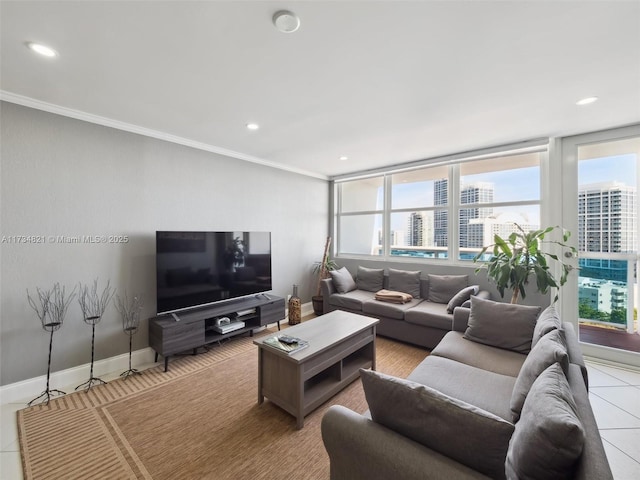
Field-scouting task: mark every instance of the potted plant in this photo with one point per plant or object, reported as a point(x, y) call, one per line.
point(515, 258)
point(322, 269)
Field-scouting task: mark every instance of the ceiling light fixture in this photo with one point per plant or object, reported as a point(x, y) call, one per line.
point(286, 21)
point(343, 157)
point(253, 126)
point(587, 101)
point(42, 49)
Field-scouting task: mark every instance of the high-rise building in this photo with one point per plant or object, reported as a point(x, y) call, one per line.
point(503, 224)
point(398, 238)
point(440, 220)
point(415, 230)
point(419, 230)
point(607, 217)
point(471, 236)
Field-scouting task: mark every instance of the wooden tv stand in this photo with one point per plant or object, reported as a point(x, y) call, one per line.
point(194, 328)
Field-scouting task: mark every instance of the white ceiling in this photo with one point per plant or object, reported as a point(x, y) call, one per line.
point(382, 82)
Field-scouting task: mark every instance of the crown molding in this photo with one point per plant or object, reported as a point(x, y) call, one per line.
point(147, 132)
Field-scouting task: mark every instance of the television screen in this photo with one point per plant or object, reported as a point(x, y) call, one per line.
point(198, 268)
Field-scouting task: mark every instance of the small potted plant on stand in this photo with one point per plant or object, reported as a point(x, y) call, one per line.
point(515, 258)
point(322, 269)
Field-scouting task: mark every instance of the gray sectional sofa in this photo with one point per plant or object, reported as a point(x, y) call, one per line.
point(423, 321)
point(504, 395)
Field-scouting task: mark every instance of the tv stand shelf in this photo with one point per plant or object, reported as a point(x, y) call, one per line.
point(170, 334)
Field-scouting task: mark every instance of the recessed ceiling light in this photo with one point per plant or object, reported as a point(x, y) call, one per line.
point(253, 126)
point(343, 157)
point(587, 101)
point(42, 49)
point(286, 21)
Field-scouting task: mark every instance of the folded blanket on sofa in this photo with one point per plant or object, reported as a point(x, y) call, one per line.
point(392, 296)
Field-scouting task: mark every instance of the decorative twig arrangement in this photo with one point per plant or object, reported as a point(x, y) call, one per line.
point(93, 306)
point(130, 312)
point(51, 307)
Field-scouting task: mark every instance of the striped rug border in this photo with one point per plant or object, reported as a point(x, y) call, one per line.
point(94, 401)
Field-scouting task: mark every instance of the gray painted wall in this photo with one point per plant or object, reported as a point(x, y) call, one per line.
point(61, 176)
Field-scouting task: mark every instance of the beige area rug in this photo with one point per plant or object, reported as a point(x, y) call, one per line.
point(199, 420)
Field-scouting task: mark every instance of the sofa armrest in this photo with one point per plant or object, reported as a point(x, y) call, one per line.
point(360, 449)
point(574, 350)
point(460, 318)
point(593, 463)
point(326, 289)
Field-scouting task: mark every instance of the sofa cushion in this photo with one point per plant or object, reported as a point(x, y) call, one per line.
point(443, 288)
point(342, 280)
point(389, 310)
point(405, 281)
point(487, 390)
point(549, 437)
point(502, 325)
point(547, 321)
point(450, 426)
point(462, 296)
point(498, 360)
point(350, 300)
point(549, 350)
point(429, 314)
point(370, 279)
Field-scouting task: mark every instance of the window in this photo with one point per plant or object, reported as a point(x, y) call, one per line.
point(419, 217)
point(407, 213)
point(360, 220)
point(496, 195)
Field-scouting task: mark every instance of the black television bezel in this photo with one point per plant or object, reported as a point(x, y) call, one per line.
point(196, 306)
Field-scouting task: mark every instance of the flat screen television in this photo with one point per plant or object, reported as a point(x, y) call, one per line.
point(194, 269)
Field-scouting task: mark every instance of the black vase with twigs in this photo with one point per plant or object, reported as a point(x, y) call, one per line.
point(51, 307)
point(130, 312)
point(93, 306)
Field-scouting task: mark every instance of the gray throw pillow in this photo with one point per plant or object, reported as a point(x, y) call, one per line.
point(549, 350)
point(461, 297)
point(503, 325)
point(405, 281)
point(547, 321)
point(443, 288)
point(370, 279)
point(342, 280)
point(549, 437)
point(461, 431)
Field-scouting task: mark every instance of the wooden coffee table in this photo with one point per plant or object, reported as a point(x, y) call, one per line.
point(340, 343)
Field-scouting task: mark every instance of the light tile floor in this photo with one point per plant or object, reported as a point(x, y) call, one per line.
point(614, 394)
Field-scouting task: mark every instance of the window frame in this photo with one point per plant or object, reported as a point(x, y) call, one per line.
point(453, 206)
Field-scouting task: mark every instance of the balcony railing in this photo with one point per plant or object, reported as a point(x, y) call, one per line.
point(612, 277)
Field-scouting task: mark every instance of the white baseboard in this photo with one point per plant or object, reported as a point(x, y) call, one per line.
point(32, 387)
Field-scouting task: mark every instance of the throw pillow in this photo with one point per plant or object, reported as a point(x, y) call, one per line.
point(503, 325)
point(370, 279)
point(461, 297)
point(342, 280)
point(549, 438)
point(442, 288)
point(405, 281)
point(461, 431)
point(549, 350)
point(547, 321)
